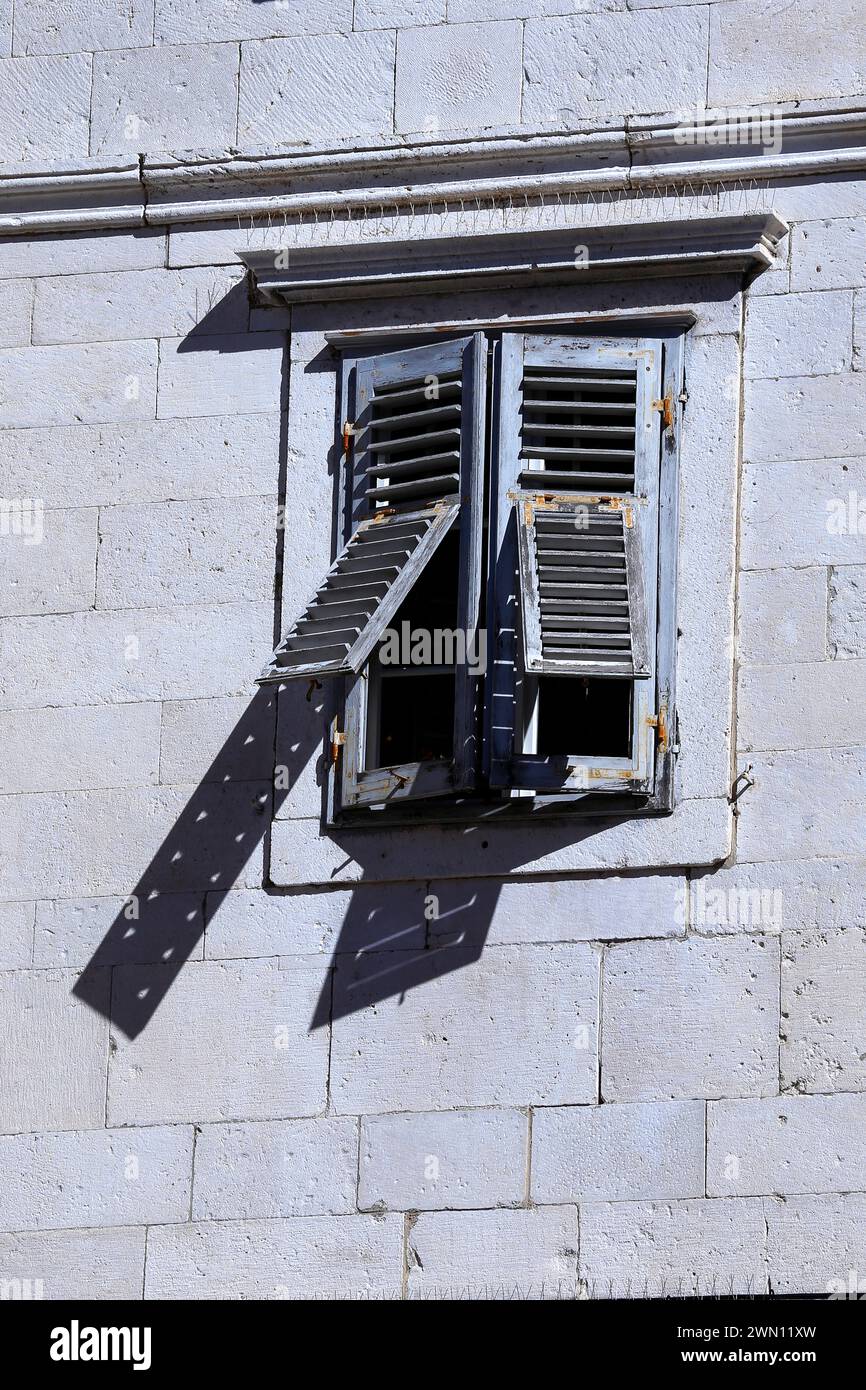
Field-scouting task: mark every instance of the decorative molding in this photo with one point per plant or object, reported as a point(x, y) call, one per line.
point(640, 156)
point(733, 245)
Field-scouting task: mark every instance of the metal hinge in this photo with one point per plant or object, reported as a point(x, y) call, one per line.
point(337, 742)
point(348, 435)
point(659, 722)
point(740, 784)
point(666, 406)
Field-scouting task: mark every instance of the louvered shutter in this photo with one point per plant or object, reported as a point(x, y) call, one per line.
point(582, 585)
point(360, 594)
point(576, 541)
point(418, 418)
point(409, 450)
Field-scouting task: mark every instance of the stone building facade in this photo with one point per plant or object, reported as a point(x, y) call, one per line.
point(260, 1041)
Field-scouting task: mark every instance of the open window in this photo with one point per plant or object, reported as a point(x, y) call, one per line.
point(523, 477)
point(576, 564)
point(412, 498)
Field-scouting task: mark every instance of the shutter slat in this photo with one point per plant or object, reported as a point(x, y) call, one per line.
point(417, 488)
point(432, 463)
point(573, 428)
point(415, 417)
point(555, 480)
point(412, 443)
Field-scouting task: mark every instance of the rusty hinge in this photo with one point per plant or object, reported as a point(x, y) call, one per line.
point(348, 435)
point(666, 406)
point(337, 742)
point(659, 722)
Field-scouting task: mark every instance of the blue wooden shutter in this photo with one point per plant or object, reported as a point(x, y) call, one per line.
point(575, 543)
point(417, 441)
point(359, 595)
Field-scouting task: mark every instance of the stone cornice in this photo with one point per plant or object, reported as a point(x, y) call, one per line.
point(742, 246)
point(640, 156)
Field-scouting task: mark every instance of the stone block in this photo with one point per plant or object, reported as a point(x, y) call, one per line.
point(102, 1177)
point(172, 97)
point(46, 106)
point(77, 385)
point(673, 1249)
point(783, 615)
point(456, 77)
point(348, 1257)
point(443, 1159)
point(54, 1052)
point(490, 1254)
point(164, 554)
point(595, 65)
point(220, 374)
point(786, 1144)
point(824, 1010)
point(291, 89)
point(799, 334)
point(692, 1018)
point(75, 1265)
point(48, 557)
point(515, 1026)
point(617, 1153)
point(76, 748)
point(109, 306)
point(229, 1041)
point(276, 1168)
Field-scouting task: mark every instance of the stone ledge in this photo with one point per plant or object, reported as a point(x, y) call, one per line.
point(738, 245)
point(650, 153)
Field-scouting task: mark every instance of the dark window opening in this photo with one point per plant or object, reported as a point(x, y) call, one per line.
point(412, 699)
point(416, 719)
point(584, 716)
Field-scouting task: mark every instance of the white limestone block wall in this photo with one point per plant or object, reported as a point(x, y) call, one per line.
point(611, 1092)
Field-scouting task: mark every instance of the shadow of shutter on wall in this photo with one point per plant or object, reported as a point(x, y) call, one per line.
point(582, 590)
point(411, 443)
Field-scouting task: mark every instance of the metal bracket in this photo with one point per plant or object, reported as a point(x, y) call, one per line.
point(740, 784)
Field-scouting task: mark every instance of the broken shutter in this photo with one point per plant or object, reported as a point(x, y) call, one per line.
point(577, 516)
point(360, 594)
point(416, 447)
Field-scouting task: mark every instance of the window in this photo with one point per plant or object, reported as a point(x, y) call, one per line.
point(502, 610)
